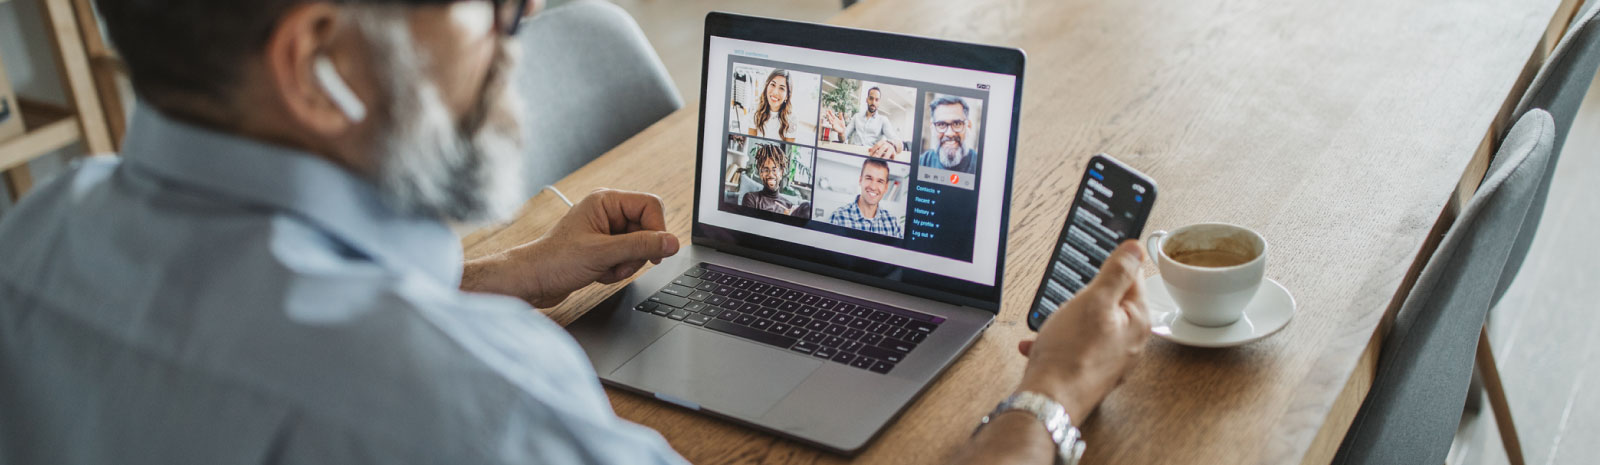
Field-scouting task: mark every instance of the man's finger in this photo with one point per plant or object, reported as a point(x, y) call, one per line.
point(637, 246)
point(1121, 270)
point(623, 208)
point(1026, 347)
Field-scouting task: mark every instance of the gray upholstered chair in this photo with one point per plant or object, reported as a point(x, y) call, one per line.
point(1411, 414)
point(591, 81)
point(1558, 89)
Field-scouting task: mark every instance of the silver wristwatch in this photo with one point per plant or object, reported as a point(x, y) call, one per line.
point(1069, 443)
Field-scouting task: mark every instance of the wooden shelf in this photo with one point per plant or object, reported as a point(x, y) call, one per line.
point(50, 127)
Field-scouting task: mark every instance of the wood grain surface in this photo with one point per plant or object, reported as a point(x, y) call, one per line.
point(1340, 130)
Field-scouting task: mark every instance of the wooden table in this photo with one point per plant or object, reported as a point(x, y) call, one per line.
point(1339, 129)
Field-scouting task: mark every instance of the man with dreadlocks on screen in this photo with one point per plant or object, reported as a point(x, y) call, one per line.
point(772, 168)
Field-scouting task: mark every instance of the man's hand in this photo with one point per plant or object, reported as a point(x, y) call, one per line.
point(834, 120)
point(1084, 349)
point(884, 149)
point(606, 237)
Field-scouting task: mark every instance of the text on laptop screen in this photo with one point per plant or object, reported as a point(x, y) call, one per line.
point(902, 163)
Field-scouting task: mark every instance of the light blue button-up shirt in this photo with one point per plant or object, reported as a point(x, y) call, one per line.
point(210, 299)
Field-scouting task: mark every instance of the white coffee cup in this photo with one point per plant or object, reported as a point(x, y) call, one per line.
point(1212, 270)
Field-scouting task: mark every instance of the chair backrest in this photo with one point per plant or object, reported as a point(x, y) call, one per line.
point(591, 81)
point(1558, 89)
point(1425, 367)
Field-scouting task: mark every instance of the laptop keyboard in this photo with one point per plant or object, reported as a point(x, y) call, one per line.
point(788, 316)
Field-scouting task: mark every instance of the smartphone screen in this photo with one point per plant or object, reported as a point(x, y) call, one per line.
point(1111, 206)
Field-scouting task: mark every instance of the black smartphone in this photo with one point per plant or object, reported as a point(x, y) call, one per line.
point(1112, 205)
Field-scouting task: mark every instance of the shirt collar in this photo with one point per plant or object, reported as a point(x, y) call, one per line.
point(297, 183)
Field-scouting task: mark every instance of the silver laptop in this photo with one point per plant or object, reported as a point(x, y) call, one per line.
point(851, 201)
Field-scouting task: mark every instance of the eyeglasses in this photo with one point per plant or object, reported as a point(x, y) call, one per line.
point(766, 170)
point(508, 15)
point(959, 126)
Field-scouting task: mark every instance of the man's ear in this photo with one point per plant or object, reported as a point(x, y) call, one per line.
point(309, 34)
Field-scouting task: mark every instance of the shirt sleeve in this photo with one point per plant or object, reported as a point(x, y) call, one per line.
point(891, 133)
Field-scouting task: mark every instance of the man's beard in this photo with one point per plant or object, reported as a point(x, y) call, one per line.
point(951, 156)
point(430, 164)
point(872, 109)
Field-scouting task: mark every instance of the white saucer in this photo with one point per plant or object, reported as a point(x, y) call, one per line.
point(1267, 313)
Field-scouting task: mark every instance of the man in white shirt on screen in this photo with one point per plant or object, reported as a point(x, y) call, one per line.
point(869, 129)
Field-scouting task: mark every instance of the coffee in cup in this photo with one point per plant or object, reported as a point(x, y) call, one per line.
point(1212, 270)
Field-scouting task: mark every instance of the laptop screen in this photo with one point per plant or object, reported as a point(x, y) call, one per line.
point(897, 162)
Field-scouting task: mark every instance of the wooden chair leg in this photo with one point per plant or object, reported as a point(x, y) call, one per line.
point(18, 181)
point(1497, 399)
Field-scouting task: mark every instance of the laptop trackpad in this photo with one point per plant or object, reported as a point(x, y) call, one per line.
point(720, 372)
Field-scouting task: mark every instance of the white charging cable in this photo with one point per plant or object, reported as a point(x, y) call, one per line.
point(558, 193)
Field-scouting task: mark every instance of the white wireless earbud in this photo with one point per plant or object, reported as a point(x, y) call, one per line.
point(336, 88)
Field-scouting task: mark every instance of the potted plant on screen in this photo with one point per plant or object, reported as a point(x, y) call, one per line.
point(842, 100)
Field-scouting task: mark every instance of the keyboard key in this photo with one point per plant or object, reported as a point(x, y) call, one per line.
point(716, 300)
point(805, 347)
point(694, 272)
point(807, 311)
point(878, 315)
point(896, 333)
point(697, 319)
point(686, 281)
point(810, 299)
point(861, 312)
point(921, 326)
point(796, 332)
point(833, 341)
point(828, 304)
point(663, 310)
point(817, 325)
point(789, 306)
point(761, 324)
point(779, 328)
point(917, 337)
point(880, 353)
point(759, 287)
point(841, 319)
point(729, 315)
point(784, 317)
point(897, 320)
point(739, 294)
point(711, 276)
point(815, 337)
point(766, 312)
point(825, 315)
point(872, 339)
point(748, 307)
point(742, 283)
point(773, 302)
point(699, 295)
point(878, 328)
point(727, 280)
point(723, 290)
point(844, 357)
point(792, 295)
point(844, 307)
point(708, 287)
point(680, 291)
point(852, 346)
point(669, 300)
point(897, 345)
point(695, 306)
point(860, 323)
point(882, 367)
point(751, 334)
point(746, 319)
point(679, 314)
point(825, 353)
point(774, 292)
point(645, 306)
point(800, 321)
point(712, 312)
point(834, 330)
point(853, 334)
point(863, 363)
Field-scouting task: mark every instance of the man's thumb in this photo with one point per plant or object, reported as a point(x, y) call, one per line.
point(638, 246)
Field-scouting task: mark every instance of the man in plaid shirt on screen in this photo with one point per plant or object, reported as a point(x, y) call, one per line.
point(864, 213)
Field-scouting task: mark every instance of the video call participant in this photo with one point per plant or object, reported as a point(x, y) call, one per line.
point(951, 123)
point(772, 166)
point(771, 119)
point(864, 213)
point(868, 129)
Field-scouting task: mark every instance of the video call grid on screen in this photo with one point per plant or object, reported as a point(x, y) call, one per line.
point(819, 195)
